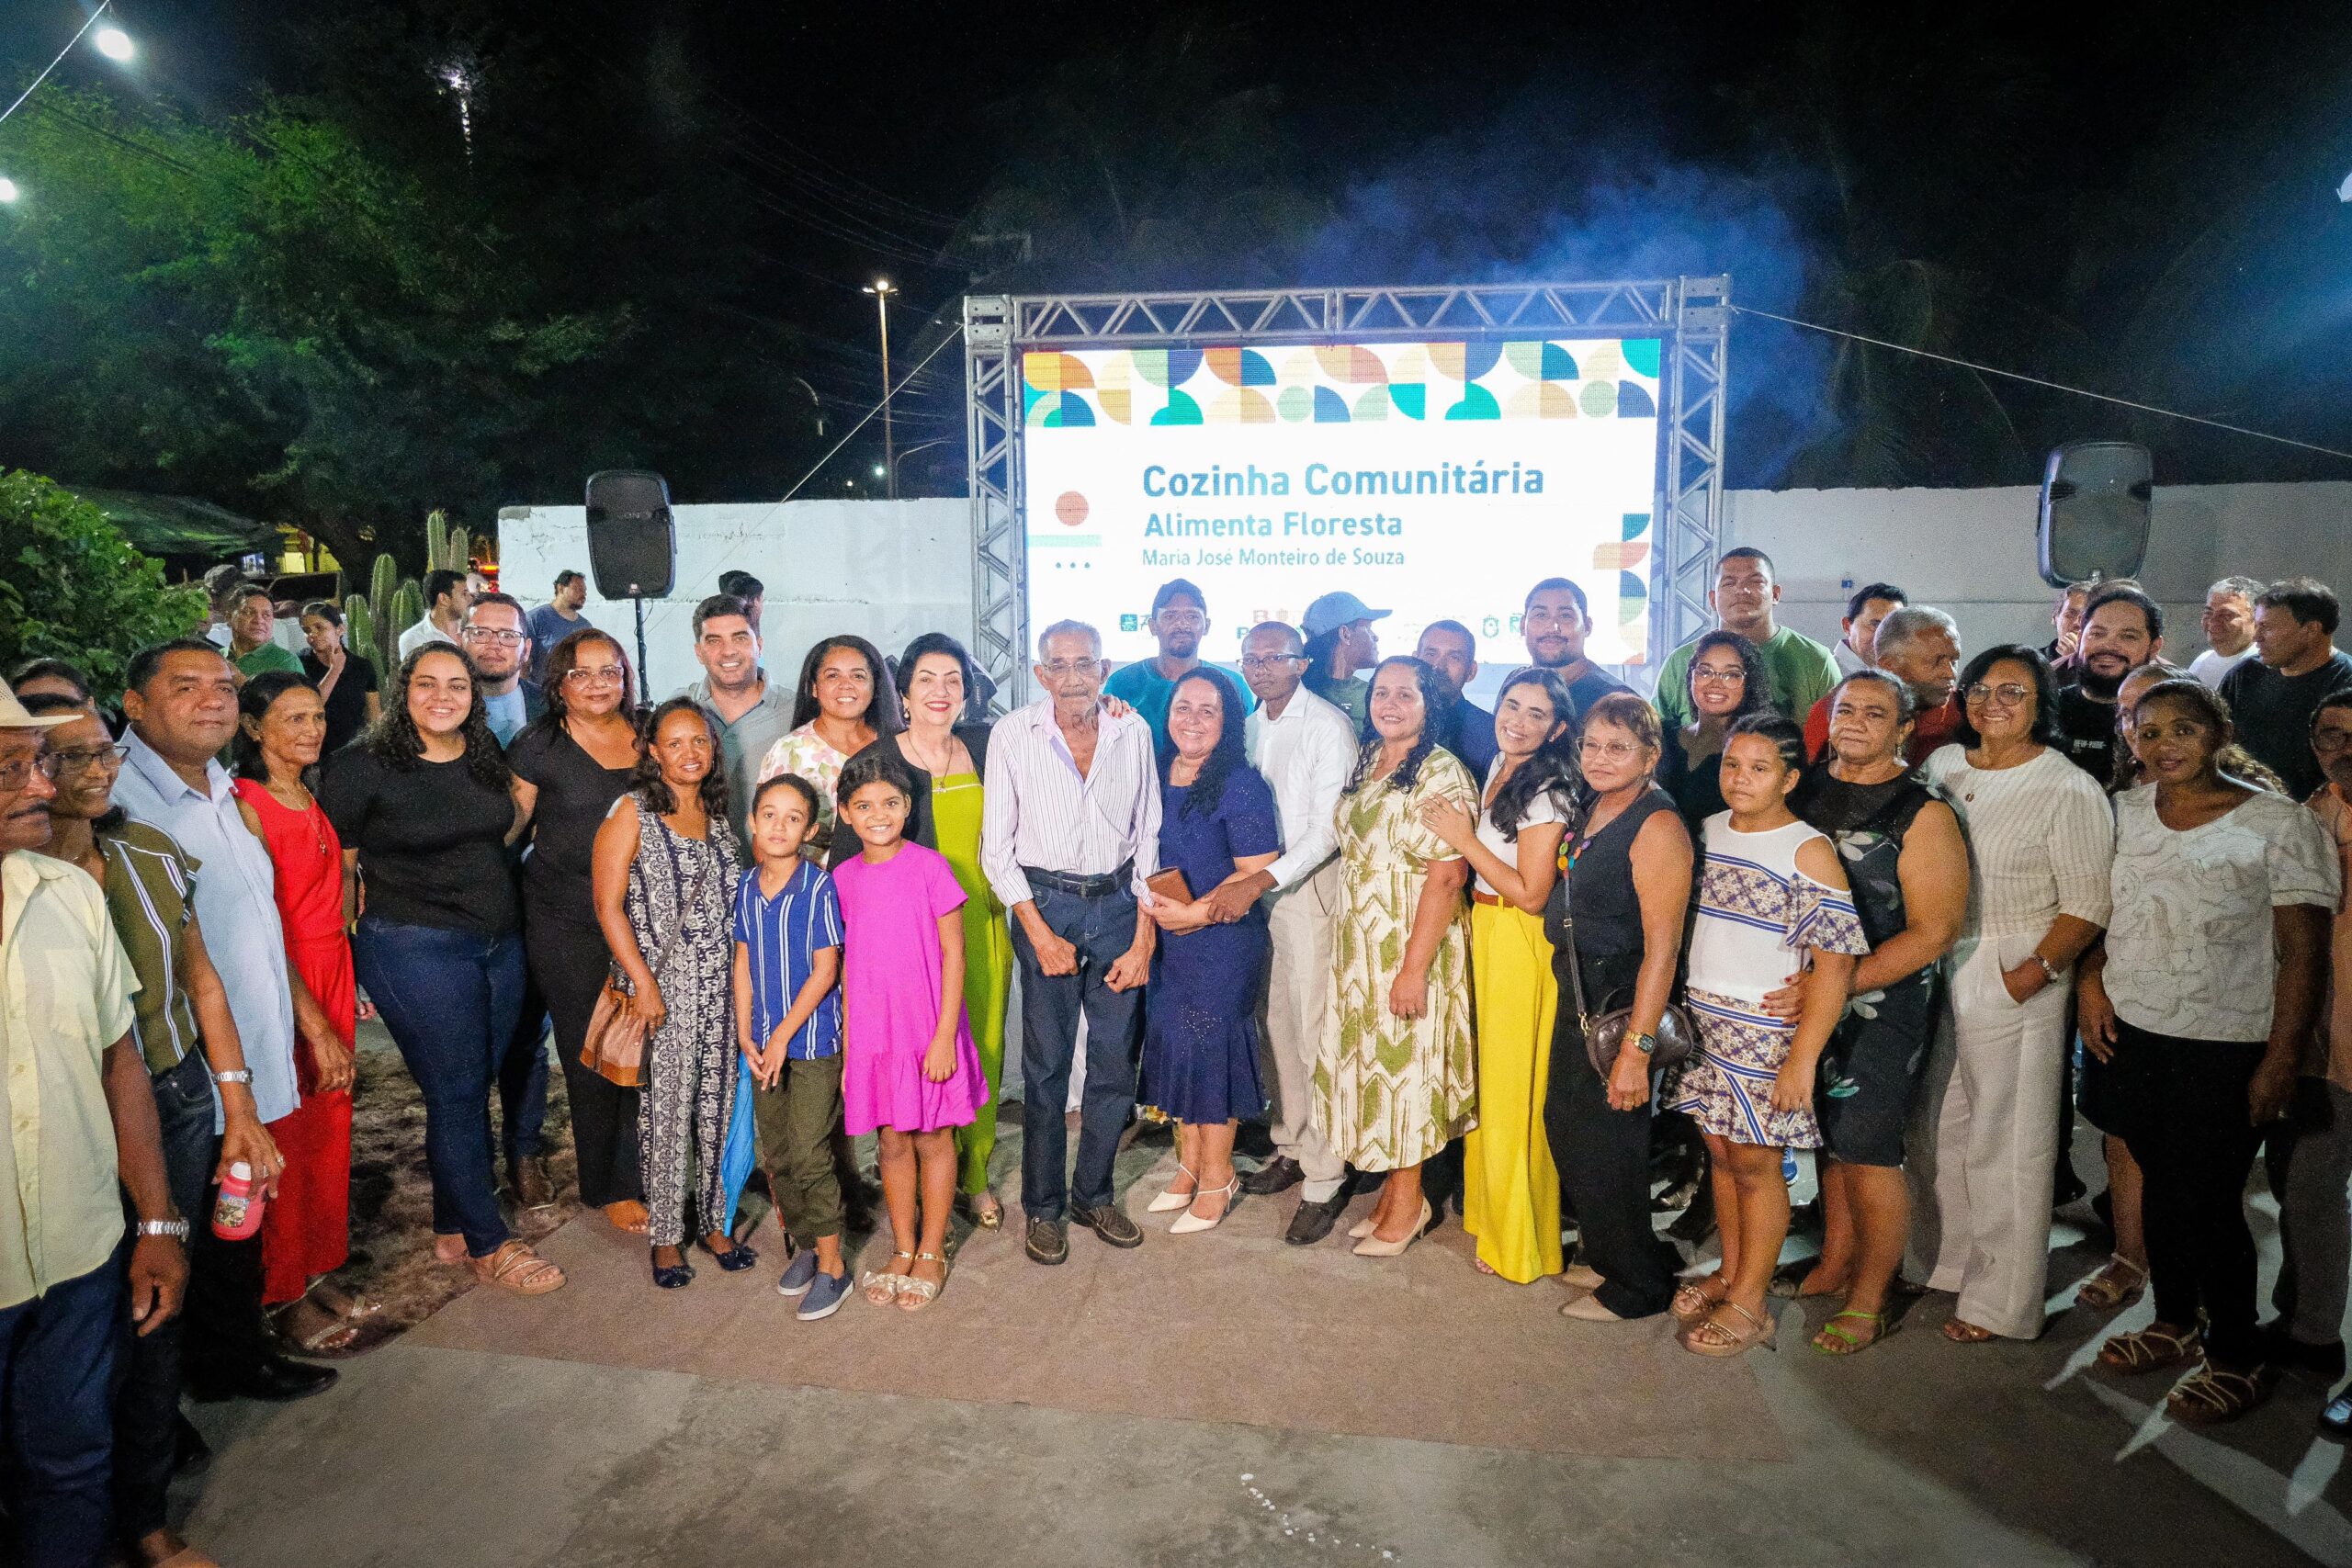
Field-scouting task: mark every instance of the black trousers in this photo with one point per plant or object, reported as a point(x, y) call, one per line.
point(2182, 1106)
point(1604, 1160)
point(567, 962)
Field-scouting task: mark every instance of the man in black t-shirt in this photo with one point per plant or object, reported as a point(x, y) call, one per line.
point(2273, 695)
point(1556, 621)
point(2122, 629)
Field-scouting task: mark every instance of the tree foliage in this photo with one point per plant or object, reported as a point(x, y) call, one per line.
point(73, 587)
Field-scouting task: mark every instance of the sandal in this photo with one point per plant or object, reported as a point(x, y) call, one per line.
point(2118, 1283)
point(514, 1267)
point(1709, 1337)
point(2210, 1396)
point(1692, 1303)
point(1834, 1341)
point(882, 1285)
point(2151, 1349)
point(917, 1294)
point(1960, 1331)
point(1788, 1285)
point(989, 1219)
point(330, 1335)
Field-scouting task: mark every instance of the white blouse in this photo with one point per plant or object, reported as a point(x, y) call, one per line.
point(2189, 953)
point(1544, 808)
point(2041, 841)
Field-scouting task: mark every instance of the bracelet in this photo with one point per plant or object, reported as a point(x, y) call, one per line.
point(2049, 971)
point(176, 1229)
point(235, 1075)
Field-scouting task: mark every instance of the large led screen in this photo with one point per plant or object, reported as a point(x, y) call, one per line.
point(1438, 481)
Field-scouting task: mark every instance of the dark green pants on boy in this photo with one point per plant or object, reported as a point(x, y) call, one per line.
point(796, 1121)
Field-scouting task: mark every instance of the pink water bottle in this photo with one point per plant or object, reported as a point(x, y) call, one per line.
point(237, 1213)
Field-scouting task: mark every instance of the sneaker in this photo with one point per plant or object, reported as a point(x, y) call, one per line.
point(826, 1294)
point(798, 1274)
point(1111, 1222)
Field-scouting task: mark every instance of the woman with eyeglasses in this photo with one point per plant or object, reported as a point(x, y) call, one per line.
point(666, 866)
point(2040, 841)
point(306, 1234)
point(571, 764)
point(1510, 1187)
point(347, 681)
point(424, 807)
point(1727, 684)
point(845, 704)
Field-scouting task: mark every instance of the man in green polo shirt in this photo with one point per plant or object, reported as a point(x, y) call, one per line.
point(253, 621)
point(1800, 670)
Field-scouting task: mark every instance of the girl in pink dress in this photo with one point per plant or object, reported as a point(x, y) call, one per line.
point(909, 1069)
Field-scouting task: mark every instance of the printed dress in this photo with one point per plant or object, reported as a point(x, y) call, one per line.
point(1389, 1091)
point(812, 757)
point(1756, 914)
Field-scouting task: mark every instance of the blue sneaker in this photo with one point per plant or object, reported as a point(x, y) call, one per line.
point(826, 1294)
point(1789, 1166)
point(798, 1274)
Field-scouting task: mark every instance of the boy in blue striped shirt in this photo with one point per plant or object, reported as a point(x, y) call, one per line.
point(788, 1022)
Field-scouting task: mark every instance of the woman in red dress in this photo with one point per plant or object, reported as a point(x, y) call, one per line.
point(306, 1233)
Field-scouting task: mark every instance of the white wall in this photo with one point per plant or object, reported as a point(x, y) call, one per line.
point(1971, 551)
point(884, 570)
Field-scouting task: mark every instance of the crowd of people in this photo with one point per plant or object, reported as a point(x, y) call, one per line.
point(1904, 907)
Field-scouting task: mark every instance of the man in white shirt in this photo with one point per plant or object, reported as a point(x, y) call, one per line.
point(2229, 626)
point(1306, 747)
point(447, 598)
point(1865, 608)
point(1069, 834)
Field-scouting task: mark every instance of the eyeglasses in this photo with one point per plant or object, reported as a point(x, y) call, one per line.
point(602, 675)
point(1266, 661)
point(1615, 751)
point(80, 758)
point(484, 634)
point(1064, 669)
point(2009, 694)
point(14, 776)
point(1718, 673)
point(2332, 740)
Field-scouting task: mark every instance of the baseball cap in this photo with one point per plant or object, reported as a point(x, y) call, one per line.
point(1335, 610)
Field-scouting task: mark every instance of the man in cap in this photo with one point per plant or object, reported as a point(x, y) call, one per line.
point(1341, 641)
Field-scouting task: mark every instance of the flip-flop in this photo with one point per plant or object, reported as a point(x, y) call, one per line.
point(1854, 1344)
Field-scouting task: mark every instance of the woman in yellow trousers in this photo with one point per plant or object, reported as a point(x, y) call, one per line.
point(1511, 1189)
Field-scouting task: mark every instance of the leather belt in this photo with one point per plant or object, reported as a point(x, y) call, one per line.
point(1082, 887)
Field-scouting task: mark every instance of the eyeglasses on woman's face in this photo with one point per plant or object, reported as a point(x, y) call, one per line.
point(597, 675)
point(2007, 694)
point(1608, 750)
point(1717, 674)
point(81, 759)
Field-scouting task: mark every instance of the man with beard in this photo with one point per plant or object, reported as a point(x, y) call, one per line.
point(1180, 618)
point(498, 638)
point(1447, 648)
point(1799, 670)
point(1919, 646)
point(2273, 696)
point(2228, 627)
point(2122, 629)
point(754, 712)
point(1555, 622)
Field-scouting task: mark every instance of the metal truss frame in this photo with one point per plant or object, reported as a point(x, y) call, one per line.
point(1690, 315)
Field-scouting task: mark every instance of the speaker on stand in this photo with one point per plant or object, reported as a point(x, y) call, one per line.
point(2094, 522)
point(632, 542)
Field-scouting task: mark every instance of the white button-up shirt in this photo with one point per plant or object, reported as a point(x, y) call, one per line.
point(1039, 810)
point(236, 900)
point(1307, 755)
point(65, 990)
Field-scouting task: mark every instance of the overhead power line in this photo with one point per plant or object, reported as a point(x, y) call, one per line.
point(53, 64)
point(2039, 381)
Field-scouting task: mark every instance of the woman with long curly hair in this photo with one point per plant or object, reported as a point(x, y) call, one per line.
point(1395, 1077)
point(667, 867)
point(1217, 824)
point(571, 763)
point(423, 806)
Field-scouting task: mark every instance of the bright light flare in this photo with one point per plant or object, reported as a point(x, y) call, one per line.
point(877, 471)
point(114, 43)
point(8, 191)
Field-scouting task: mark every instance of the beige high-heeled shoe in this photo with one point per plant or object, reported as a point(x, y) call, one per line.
point(1167, 1202)
point(1373, 1246)
point(1189, 1223)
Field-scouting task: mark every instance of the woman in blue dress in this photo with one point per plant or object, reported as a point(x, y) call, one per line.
point(1200, 1039)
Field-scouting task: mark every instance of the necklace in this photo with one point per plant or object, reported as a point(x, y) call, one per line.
point(937, 767)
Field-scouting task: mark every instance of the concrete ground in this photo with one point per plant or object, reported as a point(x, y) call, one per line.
point(1918, 1452)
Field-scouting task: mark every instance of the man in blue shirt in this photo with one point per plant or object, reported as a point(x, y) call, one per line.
point(555, 620)
point(1448, 648)
point(1180, 619)
point(497, 636)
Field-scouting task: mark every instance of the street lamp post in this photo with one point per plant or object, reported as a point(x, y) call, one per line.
point(882, 288)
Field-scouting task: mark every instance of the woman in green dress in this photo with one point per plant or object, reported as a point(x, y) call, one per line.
point(948, 758)
point(1396, 1078)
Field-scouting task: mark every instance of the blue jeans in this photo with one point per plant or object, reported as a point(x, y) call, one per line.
point(1101, 926)
point(57, 1355)
point(450, 998)
point(522, 1077)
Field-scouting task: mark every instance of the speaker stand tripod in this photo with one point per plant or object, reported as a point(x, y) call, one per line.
point(643, 690)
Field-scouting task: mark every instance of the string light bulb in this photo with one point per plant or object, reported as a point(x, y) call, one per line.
point(114, 43)
point(8, 191)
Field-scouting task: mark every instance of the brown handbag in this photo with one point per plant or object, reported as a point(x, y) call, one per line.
point(1604, 1034)
point(616, 1045)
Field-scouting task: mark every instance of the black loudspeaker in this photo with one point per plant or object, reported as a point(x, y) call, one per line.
point(2095, 512)
point(632, 543)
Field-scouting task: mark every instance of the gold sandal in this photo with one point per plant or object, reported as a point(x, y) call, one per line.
point(916, 1294)
point(1692, 1304)
point(2151, 1350)
point(1709, 1337)
point(2118, 1283)
point(882, 1286)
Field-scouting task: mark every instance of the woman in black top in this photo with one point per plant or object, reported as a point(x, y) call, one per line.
point(421, 805)
point(346, 681)
point(1618, 914)
point(571, 763)
point(1727, 684)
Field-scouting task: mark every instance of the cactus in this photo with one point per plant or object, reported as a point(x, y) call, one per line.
point(382, 578)
point(360, 630)
point(408, 608)
point(446, 543)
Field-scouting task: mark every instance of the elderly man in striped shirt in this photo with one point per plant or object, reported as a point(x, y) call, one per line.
point(1070, 832)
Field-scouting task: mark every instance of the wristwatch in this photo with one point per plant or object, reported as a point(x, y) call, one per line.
point(176, 1229)
point(2049, 971)
point(1645, 1044)
point(239, 1074)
